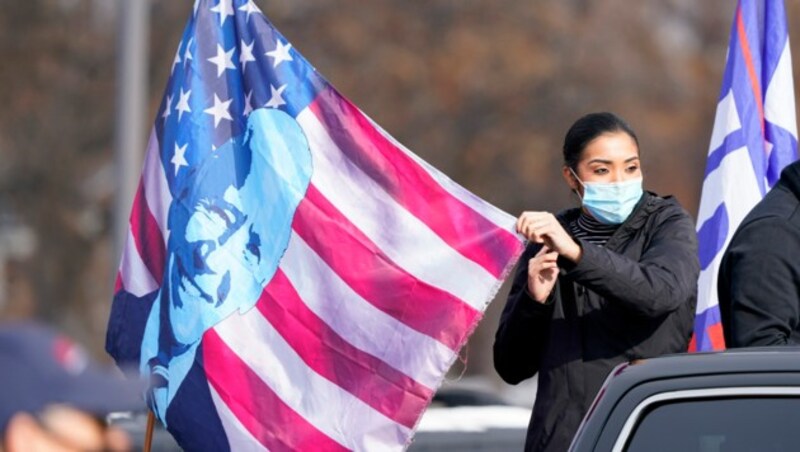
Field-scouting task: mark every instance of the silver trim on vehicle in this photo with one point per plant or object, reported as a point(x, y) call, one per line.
point(633, 419)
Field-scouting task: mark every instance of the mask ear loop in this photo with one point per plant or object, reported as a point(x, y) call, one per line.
point(575, 190)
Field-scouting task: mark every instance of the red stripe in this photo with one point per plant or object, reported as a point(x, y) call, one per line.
point(118, 283)
point(147, 235)
point(410, 185)
point(751, 70)
point(715, 335)
point(373, 275)
point(273, 423)
point(377, 384)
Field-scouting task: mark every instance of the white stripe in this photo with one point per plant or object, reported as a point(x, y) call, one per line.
point(726, 121)
point(364, 326)
point(156, 188)
point(332, 410)
point(239, 438)
point(405, 239)
point(500, 218)
point(136, 278)
point(735, 184)
point(779, 101)
point(707, 296)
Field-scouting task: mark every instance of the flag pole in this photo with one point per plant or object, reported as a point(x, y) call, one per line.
point(133, 17)
point(148, 433)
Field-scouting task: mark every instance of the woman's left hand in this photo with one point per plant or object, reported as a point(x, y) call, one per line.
point(543, 227)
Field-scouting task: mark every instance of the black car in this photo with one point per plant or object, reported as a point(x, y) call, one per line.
point(740, 400)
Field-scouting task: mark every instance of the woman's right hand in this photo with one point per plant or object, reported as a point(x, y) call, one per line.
point(542, 274)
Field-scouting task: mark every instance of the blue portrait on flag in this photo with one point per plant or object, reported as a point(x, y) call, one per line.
point(229, 225)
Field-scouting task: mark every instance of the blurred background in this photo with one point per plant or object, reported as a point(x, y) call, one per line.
point(483, 90)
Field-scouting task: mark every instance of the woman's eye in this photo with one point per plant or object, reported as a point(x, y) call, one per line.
point(601, 171)
point(633, 169)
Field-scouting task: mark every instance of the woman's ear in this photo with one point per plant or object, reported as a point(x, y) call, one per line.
point(570, 178)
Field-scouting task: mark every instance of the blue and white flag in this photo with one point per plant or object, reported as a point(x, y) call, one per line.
point(754, 138)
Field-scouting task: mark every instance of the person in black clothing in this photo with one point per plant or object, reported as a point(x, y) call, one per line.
point(607, 283)
point(759, 279)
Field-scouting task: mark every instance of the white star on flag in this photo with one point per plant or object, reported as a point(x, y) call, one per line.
point(223, 60)
point(183, 103)
point(224, 8)
point(276, 100)
point(246, 54)
point(250, 8)
point(179, 159)
point(167, 110)
point(188, 54)
point(220, 110)
point(280, 54)
point(177, 59)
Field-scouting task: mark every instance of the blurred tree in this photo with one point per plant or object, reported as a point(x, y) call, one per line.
point(483, 90)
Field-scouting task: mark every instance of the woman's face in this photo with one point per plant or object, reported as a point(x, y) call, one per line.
point(611, 157)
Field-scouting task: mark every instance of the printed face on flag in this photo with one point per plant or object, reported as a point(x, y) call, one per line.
point(230, 233)
point(230, 225)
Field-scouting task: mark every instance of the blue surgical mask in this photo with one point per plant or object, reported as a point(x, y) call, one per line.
point(611, 203)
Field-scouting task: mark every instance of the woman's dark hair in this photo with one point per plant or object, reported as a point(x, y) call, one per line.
point(587, 129)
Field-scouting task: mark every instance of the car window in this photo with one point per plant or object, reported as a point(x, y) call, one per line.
point(741, 424)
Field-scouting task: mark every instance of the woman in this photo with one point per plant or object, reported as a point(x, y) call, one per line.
point(607, 283)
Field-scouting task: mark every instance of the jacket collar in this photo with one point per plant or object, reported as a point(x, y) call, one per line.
point(646, 205)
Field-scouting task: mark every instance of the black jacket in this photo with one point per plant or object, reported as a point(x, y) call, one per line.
point(633, 298)
point(759, 279)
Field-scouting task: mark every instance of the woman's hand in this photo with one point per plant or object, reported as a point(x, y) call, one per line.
point(542, 274)
point(543, 227)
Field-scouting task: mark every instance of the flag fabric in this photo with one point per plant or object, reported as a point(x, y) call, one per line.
point(293, 277)
point(754, 138)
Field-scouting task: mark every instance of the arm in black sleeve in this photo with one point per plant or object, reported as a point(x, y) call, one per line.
point(662, 279)
point(762, 273)
point(522, 333)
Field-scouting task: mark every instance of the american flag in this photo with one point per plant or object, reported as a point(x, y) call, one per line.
point(754, 137)
point(293, 278)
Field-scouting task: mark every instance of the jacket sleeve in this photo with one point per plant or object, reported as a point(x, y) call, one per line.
point(762, 274)
point(664, 277)
point(520, 339)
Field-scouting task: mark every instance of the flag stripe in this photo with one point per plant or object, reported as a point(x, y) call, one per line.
point(333, 411)
point(751, 70)
point(709, 334)
point(374, 276)
point(411, 186)
point(147, 235)
point(498, 217)
point(366, 327)
point(239, 438)
point(255, 405)
point(134, 275)
point(398, 234)
point(118, 282)
point(377, 384)
point(156, 188)
point(781, 87)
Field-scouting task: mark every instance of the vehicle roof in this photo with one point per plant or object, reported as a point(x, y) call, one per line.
point(743, 360)
point(766, 366)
